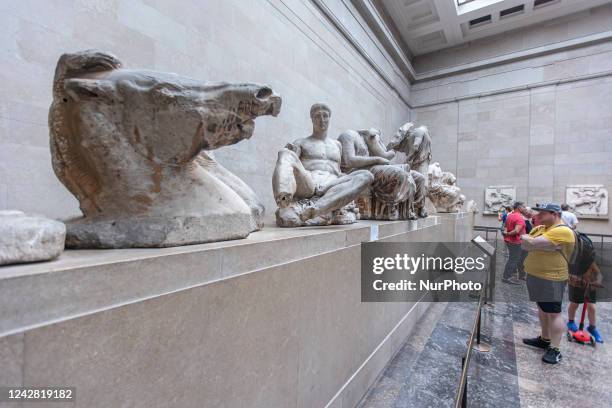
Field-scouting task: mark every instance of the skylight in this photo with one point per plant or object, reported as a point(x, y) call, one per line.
point(480, 21)
point(540, 3)
point(512, 11)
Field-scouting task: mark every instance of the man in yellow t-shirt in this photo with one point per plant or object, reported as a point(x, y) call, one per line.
point(550, 246)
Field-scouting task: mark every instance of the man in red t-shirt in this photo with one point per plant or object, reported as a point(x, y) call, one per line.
point(515, 227)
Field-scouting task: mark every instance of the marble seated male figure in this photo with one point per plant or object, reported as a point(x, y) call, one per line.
point(392, 193)
point(308, 185)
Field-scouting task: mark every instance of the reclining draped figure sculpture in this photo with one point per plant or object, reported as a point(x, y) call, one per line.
point(394, 190)
point(443, 192)
point(399, 190)
point(131, 145)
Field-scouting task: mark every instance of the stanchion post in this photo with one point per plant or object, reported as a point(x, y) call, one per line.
point(464, 397)
point(482, 347)
point(492, 275)
point(478, 327)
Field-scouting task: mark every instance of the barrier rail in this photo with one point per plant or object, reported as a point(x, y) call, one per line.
point(489, 230)
point(602, 237)
point(486, 295)
point(461, 395)
point(598, 239)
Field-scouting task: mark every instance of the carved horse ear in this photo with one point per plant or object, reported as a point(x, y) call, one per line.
point(83, 89)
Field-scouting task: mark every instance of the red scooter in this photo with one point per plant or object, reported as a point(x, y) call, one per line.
point(582, 336)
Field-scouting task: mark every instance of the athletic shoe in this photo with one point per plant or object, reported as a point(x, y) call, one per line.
point(552, 355)
point(538, 342)
point(510, 281)
point(572, 326)
point(595, 333)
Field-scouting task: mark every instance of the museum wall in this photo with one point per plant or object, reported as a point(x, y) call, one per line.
point(539, 124)
point(294, 46)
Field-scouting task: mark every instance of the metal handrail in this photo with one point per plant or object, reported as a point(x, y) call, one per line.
point(601, 243)
point(461, 395)
point(595, 237)
point(488, 228)
point(485, 296)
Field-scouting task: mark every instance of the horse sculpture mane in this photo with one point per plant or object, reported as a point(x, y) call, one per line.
point(131, 146)
point(413, 141)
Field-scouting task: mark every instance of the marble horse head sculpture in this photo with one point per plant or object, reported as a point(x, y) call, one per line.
point(133, 147)
point(415, 142)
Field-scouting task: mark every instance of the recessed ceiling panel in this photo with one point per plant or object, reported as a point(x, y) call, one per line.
point(430, 25)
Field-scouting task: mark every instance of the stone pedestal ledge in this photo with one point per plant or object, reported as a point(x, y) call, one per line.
point(274, 320)
point(81, 282)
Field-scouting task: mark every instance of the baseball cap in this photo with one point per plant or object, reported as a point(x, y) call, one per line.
point(550, 207)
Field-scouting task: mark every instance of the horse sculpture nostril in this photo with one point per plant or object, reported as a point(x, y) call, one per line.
point(264, 93)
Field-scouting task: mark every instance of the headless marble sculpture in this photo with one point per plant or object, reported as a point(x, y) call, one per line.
point(131, 146)
point(471, 207)
point(29, 238)
point(391, 195)
point(443, 192)
point(415, 143)
point(307, 183)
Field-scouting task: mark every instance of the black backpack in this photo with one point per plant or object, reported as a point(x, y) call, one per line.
point(582, 256)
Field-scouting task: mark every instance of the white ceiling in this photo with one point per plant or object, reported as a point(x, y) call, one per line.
point(431, 25)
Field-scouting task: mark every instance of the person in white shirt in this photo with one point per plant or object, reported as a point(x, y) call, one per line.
point(569, 217)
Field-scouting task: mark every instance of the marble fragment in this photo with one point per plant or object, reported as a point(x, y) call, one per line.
point(29, 238)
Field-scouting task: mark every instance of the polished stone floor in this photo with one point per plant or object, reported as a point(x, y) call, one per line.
point(426, 371)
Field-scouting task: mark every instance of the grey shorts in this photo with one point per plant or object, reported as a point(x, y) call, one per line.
point(544, 290)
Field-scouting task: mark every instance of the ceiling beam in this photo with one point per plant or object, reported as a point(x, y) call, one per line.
point(447, 11)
